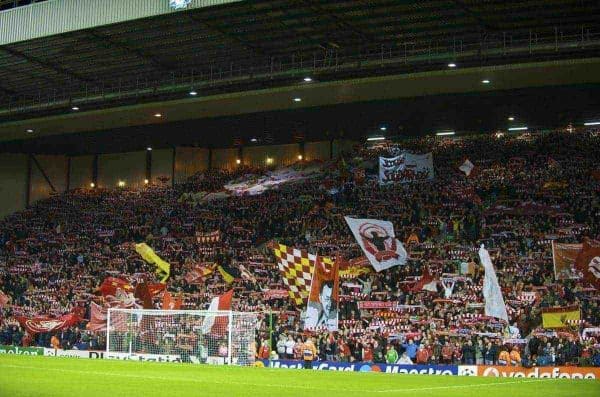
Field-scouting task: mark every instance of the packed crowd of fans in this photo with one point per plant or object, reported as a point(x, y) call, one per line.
point(524, 192)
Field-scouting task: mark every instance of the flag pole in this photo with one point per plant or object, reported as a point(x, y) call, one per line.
point(270, 334)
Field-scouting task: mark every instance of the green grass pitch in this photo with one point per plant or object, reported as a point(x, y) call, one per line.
point(51, 376)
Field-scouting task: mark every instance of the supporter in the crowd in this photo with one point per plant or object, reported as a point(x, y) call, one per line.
point(405, 359)
point(391, 356)
point(309, 353)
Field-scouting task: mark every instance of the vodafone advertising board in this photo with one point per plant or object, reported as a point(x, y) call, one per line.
point(535, 372)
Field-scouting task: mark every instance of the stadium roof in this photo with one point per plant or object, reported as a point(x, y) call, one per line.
point(270, 46)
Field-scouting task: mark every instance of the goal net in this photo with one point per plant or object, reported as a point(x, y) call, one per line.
point(190, 336)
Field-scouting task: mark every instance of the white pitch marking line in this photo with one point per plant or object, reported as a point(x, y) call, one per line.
point(278, 386)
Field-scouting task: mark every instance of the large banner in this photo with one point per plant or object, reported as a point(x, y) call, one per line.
point(43, 324)
point(378, 241)
point(564, 256)
point(324, 299)
point(406, 167)
point(494, 301)
point(366, 367)
point(537, 372)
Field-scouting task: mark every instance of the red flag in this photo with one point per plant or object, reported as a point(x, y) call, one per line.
point(98, 318)
point(110, 285)
point(42, 324)
point(588, 262)
point(143, 294)
point(171, 303)
point(156, 288)
point(199, 272)
point(426, 282)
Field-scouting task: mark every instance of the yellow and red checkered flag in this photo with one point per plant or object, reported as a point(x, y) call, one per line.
point(296, 267)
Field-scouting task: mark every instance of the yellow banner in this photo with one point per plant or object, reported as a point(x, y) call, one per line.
point(559, 317)
point(163, 268)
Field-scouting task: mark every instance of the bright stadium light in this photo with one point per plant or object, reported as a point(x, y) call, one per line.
point(92, 185)
point(307, 79)
point(149, 149)
point(376, 138)
point(253, 140)
point(592, 123)
point(451, 65)
point(121, 183)
point(511, 118)
point(146, 181)
point(383, 128)
point(300, 157)
point(485, 81)
point(297, 99)
point(517, 128)
point(193, 93)
point(445, 133)
point(269, 160)
point(29, 130)
point(75, 108)
point(157, 115)
point(238, 161)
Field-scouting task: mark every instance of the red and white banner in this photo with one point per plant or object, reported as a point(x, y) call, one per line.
point(276, 294)
point(43, 324)
point(324, 299)
point(217, 324)
point(378, 241)
point(406, 167)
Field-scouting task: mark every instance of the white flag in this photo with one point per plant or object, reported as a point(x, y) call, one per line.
point(494, 302)
point(378, 241)
point(467, 167)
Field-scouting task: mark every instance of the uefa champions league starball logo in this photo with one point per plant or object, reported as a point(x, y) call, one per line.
point(179, 4)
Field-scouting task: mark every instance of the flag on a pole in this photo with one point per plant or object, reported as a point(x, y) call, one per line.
point(163, 268)
point(217, 324)
point(494, 301)
point(467, 167)
point(323, 301)
point(199, 272)
point(296, 267)
point(377, 240)
point(229, 273)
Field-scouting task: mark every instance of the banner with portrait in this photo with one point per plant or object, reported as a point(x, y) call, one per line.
point(406, 167)
point(564, 256)
point(378, 241)
point(323, 300)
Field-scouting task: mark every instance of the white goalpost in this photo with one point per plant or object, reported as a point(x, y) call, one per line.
point(190, 336)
